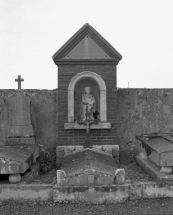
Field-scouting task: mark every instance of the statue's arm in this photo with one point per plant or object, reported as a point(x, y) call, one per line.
point(83, 100)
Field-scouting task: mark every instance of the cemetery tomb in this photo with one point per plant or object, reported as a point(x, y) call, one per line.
point(20, 150)
point(156, 155)
point(87, 101)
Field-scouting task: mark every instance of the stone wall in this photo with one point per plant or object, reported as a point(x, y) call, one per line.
point(43, 115)
point(143, 111)
point(139, 111)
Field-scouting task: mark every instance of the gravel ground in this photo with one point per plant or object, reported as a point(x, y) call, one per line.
point(141, 207)
point(133, 173)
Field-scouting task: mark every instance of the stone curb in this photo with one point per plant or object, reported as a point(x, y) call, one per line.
point(26, 191)
point(146, 190)
point(102, 194)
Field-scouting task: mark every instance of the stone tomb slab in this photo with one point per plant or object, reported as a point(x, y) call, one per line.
point(78, 166)
point(16, 159)
point(157, 147)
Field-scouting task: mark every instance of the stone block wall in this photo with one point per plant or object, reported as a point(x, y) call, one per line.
point(143, 111)
point(77, 137)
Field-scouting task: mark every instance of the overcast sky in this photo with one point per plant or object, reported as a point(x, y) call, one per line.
point(31, 31)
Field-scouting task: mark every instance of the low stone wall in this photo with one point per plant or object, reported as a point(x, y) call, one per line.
point(112, 194)
point(85, 194)
point(26, 191)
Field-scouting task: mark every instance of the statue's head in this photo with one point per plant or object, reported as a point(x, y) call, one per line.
point(87, 90)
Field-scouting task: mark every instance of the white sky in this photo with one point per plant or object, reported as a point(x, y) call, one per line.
point(31, 31)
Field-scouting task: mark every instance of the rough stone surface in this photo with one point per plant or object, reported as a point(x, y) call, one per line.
point(139, 111)
point(44, 114)
point(120, 176)
point(151, 190)
point(92, 195)
point(17, 158)
point(158, 148)
point(97, 194)
point(81, 166)
point(23, 191)
point(112, 194)
point(142, 111)
point(153, 170)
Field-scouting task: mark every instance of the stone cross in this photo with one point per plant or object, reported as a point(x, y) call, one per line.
point(19, 80)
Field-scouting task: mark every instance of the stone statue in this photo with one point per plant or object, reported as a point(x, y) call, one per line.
point(88, 103)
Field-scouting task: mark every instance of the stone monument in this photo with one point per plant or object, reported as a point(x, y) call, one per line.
point(87, 151)
point(156, 155)
point(20, 150)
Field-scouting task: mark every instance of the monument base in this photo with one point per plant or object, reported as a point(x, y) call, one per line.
point(91, 195)
point(153, 170)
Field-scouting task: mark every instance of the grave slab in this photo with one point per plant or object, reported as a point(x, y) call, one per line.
point(15, 159)
point(89, 162)
point(157, 147)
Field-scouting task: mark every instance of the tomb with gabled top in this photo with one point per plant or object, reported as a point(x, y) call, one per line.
point(87, 59)
point(87, 151)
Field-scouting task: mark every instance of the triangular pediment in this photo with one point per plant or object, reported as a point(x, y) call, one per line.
point(87, 48)
point(86, 45)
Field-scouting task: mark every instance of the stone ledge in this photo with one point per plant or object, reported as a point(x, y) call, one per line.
point(100, 125)
point(91, 195)
point(152, 169)
point(26, 191)
point(85, 194)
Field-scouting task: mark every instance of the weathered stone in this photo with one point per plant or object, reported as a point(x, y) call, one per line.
point(158, 148)
point(166, 170)
point(61, 176)
point(91, 194)
point(153, 170)
point(19, 115)
point(86, 167)
point(16, 159)
point(120, 176)
point(20, 149)
point(14, 178)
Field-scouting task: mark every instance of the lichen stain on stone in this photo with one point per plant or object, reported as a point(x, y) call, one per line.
point(8, 166)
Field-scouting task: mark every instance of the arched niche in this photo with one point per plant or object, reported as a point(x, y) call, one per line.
point(79, 90)
point(99, 89)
